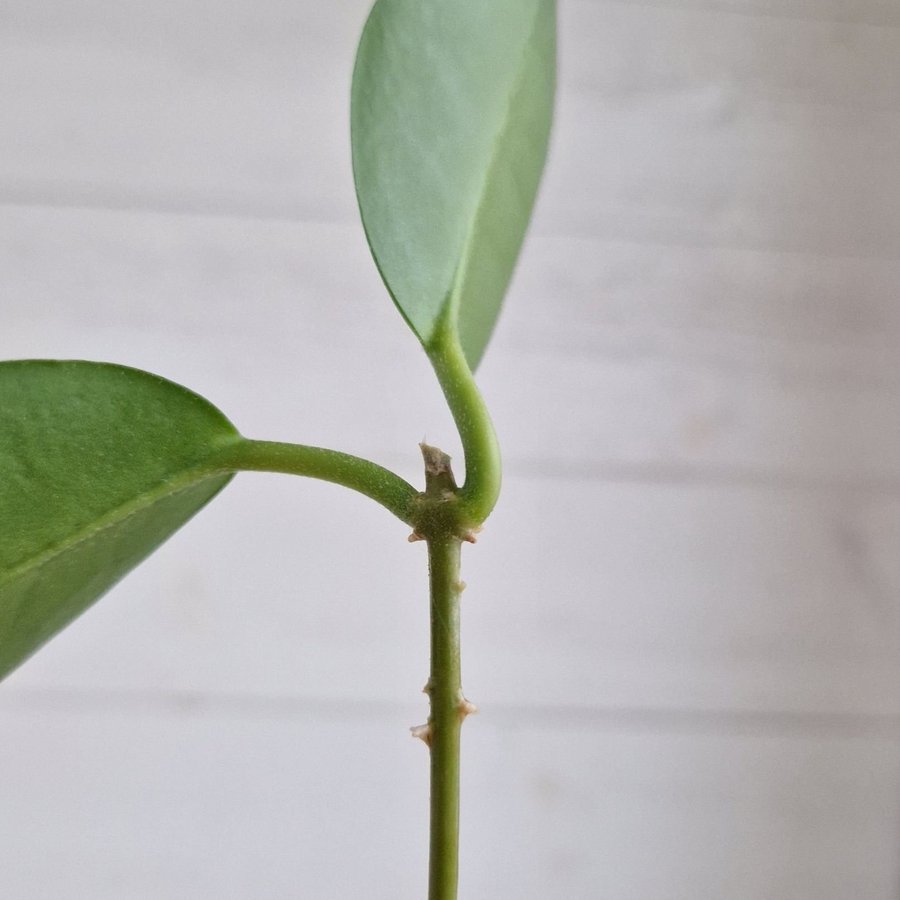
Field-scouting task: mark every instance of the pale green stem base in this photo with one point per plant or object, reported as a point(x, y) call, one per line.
point(481, 488)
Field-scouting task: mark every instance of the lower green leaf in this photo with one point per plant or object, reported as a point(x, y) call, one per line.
point(99, 464)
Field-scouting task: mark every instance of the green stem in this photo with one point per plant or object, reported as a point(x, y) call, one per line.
point(481, 489)
point(448, 709)
point(382, 485)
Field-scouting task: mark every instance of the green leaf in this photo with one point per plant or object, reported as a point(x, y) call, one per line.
point(452, 102)
point(99, 464)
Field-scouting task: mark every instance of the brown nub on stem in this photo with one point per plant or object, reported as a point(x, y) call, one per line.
point(436, 461)
point(422, 733)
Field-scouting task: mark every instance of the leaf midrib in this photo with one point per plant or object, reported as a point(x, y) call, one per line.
point(167, 488)
point(455, 293)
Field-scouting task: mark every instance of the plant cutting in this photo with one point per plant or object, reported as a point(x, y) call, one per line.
point(450, 116)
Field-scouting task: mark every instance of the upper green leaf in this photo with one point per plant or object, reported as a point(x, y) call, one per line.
point(99, 464)
point(451, 109)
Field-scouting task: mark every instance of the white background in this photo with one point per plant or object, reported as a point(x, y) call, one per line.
point(682, 622)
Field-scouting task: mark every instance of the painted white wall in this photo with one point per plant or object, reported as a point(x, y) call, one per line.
point(682, 624)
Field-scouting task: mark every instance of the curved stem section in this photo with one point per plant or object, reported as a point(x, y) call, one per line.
point(481, 489)
point(448, 709)
point(382, 485)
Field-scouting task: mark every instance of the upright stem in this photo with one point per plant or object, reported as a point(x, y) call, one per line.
point(448, 709)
